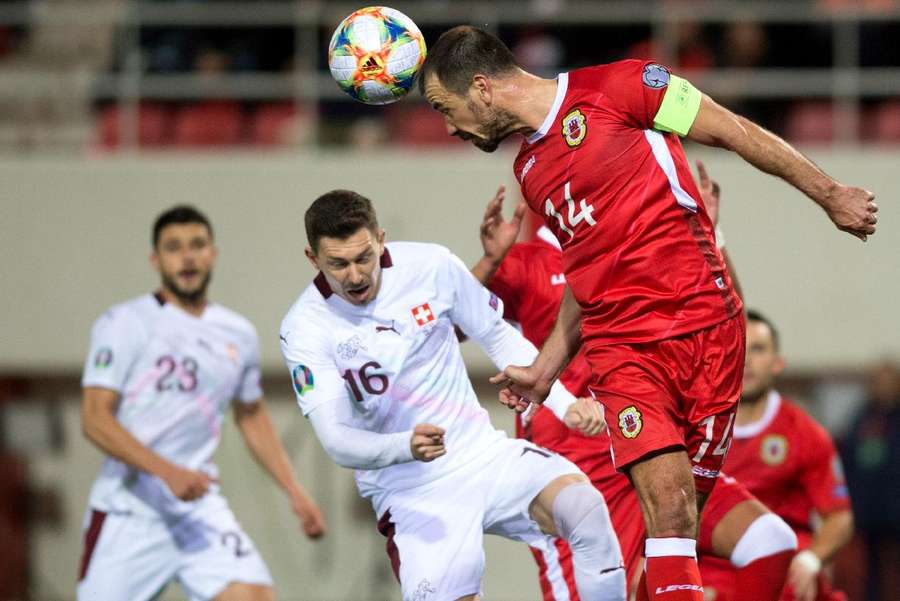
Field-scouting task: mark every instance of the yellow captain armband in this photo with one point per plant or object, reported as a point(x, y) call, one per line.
point(679, 107)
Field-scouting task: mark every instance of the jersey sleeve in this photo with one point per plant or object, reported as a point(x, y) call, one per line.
point(822, 476)
point(310, 361)
point(649, 96)
point(116, 340)
point(507, 283)
point(249, 389)
point(474, 308)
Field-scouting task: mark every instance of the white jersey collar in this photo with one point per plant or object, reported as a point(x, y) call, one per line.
point(547, 236)
point(773, 404)
point(562, 84)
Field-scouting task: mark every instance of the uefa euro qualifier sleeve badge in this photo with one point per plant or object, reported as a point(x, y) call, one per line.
point(574, 128)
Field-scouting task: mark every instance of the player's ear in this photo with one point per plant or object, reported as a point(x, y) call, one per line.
point(308, 251)
point(779, 366)
point(481, 86)
point(154, 259)
point(380, 238)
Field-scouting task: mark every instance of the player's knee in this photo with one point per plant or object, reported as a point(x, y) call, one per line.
point(582, 519)
point(767, 535)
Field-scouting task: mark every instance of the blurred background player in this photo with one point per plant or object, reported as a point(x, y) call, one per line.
point(161, 371)
point(528, 278)
point(661, 324)
point(790, 463)
point(377, 370)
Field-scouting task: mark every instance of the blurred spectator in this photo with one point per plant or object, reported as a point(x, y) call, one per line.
point(745, 45)
point(367, 134)
point(539, 52)
point(691, 51)
point(872, 461)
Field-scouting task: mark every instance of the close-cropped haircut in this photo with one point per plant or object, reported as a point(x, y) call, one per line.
point(179, 214)
point(338, 214)
point(462, 52)
point(753, 315)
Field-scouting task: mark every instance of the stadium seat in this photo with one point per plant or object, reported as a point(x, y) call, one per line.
point(419, 125)
point(882, 123)
point(209, 124)
point(154, 126)
point(276, 124)
point(810, 122)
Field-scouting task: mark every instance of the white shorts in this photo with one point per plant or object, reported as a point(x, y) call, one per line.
point(133, 556)
point(435, 531)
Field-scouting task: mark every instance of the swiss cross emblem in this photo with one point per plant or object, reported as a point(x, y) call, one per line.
point(423, 314)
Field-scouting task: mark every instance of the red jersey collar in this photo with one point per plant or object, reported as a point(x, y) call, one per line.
point(562, 84)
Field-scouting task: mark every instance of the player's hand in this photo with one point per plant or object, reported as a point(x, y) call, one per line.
point(585, 415)
point(709, 193)
point(497, 234)
point(802, 579)
point(852, 210)
point(427, 442)
point(521, 386)
point(186, 484)
point(311, 518)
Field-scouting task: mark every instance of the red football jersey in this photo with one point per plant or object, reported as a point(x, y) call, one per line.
point(789, 462)
point(639, 249)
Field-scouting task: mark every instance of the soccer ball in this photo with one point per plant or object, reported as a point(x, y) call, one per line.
point(375, 53)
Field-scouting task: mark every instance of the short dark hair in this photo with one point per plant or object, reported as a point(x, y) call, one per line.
point(754, 315)
point(462, 52)
point(179, 214)
point(338, 214)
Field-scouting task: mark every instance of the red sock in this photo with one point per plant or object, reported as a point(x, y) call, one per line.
point(672, 571)
point(763, 579)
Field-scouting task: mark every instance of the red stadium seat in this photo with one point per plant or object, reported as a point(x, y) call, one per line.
point(810, 122)
point(154, 126)
point(882, 123)
point(276, 124)
point(209, 124)
point(418, 125)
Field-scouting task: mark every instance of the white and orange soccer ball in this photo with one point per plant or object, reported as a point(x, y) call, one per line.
point(375, 53)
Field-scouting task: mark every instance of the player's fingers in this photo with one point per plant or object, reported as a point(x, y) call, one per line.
point(501, 379)
point(716, 189)
point(520, 213)
point(702, 174)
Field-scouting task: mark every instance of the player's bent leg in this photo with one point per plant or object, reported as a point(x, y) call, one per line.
point(571, 508)
point(762, 553)
point(665, 488)
point(240, 591)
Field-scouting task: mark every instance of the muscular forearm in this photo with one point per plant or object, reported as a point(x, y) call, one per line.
point(835, 532)
point(265, 445)
point(564, 340)
point(485, 269)
point(104, 430)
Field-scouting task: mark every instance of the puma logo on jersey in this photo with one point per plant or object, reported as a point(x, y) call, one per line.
point(387, 329)
point(679, 587)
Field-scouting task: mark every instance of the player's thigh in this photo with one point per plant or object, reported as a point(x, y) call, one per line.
point(728, 512)
point(125, 557)
point(435, 540)
point(216, 553)
point(240, 591)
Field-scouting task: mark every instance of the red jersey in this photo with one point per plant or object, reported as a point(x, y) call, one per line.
point(638, 247)
point(788, 461)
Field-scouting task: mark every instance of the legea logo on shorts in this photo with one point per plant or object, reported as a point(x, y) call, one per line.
point(679, 587)
point(630, 422)
point(303, 379)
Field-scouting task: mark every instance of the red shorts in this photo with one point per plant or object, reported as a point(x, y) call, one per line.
point(677, 392)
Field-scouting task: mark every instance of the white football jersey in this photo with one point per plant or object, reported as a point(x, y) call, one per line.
point(176, 375)
point(395, 362)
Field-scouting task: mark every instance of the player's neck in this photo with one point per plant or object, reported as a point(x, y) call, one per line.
point(751, 409)
point(193, 306)
point(529, 98)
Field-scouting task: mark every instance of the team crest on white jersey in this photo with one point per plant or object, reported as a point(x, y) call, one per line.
point(574, 128)
point(773, 449)
point(350, 347)
point(630, 422)
point(423, 314)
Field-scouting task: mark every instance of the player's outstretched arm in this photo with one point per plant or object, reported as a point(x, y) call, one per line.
point(100, 426)
point(533, 383)
point(497, 236)
point(365, 450)
point(851, 209)
point(265, 445)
